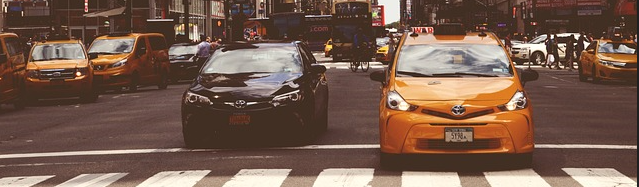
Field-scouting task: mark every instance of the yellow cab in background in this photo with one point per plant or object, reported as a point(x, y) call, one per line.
point(328, 47)
point(130, 60)
point(609, 59)
point(454, 92)
point(382, 55)
point(12, 72)
point(60, 67)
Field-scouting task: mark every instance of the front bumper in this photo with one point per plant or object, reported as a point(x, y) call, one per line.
point(382, 57)
point(518, 54)
point(59, 88)
point(617, 73)
point(418, 133)
point(115, 77)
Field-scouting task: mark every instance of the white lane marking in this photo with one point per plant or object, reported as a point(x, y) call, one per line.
point(22, 181)
point(430, 179)
point(345, 178)
point(519, 178)
point(175, 178)
point(309, 147)
point(258, 177)
point(93, 180)
point(599, 177)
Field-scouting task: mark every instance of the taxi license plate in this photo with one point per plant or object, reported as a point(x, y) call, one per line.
point(458, 134)
point(239, 119)
point(57, 82)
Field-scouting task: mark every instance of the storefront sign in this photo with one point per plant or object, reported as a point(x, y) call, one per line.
point(217, 10)
point(589, 11)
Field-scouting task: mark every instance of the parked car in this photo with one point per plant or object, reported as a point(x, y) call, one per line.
point(609, 60)
point(12, 72)
point(185, 63)
point(444, 95)
point(254, 89)
point(60, 68)
point(328, 47)
point(537, 48)
point(130, 60)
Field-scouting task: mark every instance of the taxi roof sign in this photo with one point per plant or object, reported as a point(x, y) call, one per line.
point(449, 29)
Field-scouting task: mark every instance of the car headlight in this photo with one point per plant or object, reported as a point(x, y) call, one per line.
point(34, 74)
point(119, 63)
point(609, 63)
point(396, 102)
point(286, 98)
point(517, 102)
point(81, 71)
point(196, 99)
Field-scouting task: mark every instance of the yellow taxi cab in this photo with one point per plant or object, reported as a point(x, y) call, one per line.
point(60, 68)
point(608, 59)
point(12, 73)
point(130, 60)
point(328, 47)
point(382, 55)
point(453, 92)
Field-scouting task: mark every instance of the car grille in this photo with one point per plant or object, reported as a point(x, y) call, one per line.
point(57, 74)
point(450, 116)
point(442, 144)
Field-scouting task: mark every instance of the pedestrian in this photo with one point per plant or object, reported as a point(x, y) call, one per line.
point(203, 49)
point(580, 47)
point(570, 53)
point(508, 43)
point(548, 50)
point(555, 51)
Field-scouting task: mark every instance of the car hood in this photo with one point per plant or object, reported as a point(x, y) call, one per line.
point(625, 58)
point(245, 85)
point(448, 89)
point(109, 59)
point(57, 64)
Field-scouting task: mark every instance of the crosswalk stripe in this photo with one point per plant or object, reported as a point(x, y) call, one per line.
point(23, 181)
point(258, 177)
point(522, 178)
point(345, 178)
point(175, 178)
point(430, 179)
point(600, 177)
point(93, 180)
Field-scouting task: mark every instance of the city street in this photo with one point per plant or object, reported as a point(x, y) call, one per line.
point(586, 135)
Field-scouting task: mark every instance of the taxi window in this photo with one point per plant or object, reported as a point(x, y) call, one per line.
point(454, 60)
point(47, 52)
point(266, 58)
point(112, 46)
point(617, 48)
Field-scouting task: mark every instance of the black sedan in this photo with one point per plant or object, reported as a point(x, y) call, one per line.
point(253, 90)
point(184, 62)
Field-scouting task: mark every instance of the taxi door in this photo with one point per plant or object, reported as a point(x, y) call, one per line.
point(588, 59)
point(12, 70)
point(6, 78)
point(145, 66)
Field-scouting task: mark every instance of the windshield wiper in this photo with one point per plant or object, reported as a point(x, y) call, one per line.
point(459, 74)
point(414, 74)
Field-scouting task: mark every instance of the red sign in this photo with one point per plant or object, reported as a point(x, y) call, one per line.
point(423, 29)
point(626, 8)
point(86, 6)
point(378, 15)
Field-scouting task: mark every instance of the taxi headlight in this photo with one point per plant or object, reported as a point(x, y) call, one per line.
point(119, 63)
point(396, 102)
point(34, 74)
point(81, 72)
point(286, 98)
point(195, 99)
point(517, 102)
point(610, 63)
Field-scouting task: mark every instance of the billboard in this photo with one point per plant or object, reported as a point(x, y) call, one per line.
point(377, 12)
point(626, 8)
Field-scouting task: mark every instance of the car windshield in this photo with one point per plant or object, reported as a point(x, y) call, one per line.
point(48, 52)
point(538, 39)
point(454, 60)
point(265, 58)
point(179, 50)
point(617, 48)
point(382, 41)
point(112, 46)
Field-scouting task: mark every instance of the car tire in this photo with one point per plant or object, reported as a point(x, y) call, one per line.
point(523, 160)
point(196, 138)
point(20, 102)
point(593, 73)
point(164, 81)
point(91, 97)
point(389, 161)
point(582, 76)
point(537, 58)
point(133, 85)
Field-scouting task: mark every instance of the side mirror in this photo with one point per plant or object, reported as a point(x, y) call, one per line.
point(528, 75)
point(379, 76)
point(93, 56)
point(3, 58)
point(317, 69)
point(590, 51)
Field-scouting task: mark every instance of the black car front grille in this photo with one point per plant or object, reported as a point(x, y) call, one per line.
point(426, 144)
point(450, 116)
point(57, 74)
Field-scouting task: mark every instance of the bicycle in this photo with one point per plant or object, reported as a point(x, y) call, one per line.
point(358, 61)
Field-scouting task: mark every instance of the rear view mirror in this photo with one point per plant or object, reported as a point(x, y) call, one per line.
point(378, 76)
point(93, 56)
point(3, 58)
point(316, 68)
point(528, 75)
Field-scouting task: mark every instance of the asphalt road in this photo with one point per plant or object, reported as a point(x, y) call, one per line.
point(583, 130)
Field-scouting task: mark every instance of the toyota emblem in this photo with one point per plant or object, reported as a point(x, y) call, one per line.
point(240, 104)
point(458, 110)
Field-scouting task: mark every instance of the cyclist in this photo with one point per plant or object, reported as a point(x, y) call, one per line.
point(361, 44)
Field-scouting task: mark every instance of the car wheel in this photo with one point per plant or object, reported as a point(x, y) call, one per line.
point(582, 77)
point(595, 77)
point(524, 160)
point(21, 101)
point(537, 58)
point(389, 161)
point(164, 81)
point(89, 97)
point(133, 85)
point(196, 138)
